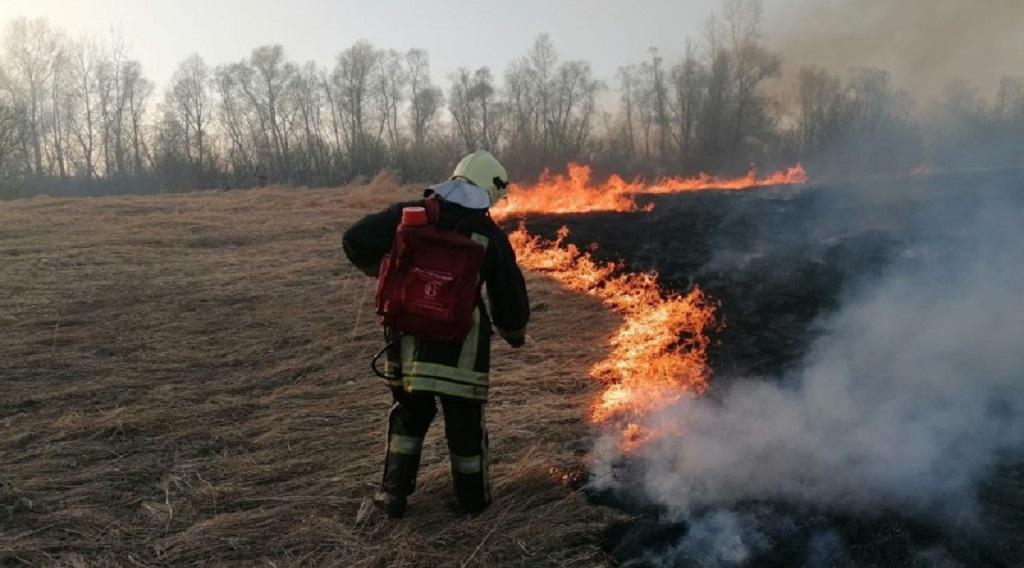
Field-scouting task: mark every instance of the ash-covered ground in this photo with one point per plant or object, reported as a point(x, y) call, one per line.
point(866, 405)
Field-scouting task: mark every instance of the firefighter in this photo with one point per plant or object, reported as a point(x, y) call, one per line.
point(421, 370)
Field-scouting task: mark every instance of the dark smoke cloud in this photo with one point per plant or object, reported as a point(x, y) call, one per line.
point(923, 43)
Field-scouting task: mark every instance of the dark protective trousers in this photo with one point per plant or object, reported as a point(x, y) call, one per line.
point(465, 431)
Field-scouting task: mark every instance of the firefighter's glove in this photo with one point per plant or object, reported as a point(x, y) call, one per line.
point(370, 269)
point(514, 338)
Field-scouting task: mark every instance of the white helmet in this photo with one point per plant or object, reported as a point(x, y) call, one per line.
point(482, 170)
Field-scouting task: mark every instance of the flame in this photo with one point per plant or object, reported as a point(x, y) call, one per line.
point(657, 355)
point(572, 193)
point(576, 192)
point(790, 176)
point(573, 477)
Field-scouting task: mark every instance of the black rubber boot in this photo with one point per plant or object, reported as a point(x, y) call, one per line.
point(393, 505)
point(472, 507)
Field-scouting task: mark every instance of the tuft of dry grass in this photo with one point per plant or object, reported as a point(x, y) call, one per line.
point(184, 381)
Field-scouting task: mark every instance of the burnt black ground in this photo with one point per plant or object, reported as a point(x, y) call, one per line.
point(778, 260)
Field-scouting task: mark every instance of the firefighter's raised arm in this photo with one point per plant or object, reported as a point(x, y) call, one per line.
point(366, 242)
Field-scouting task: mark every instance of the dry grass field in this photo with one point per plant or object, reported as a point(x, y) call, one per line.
point(184, 381)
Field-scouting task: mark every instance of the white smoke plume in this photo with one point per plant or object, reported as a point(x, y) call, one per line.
point(908, 400)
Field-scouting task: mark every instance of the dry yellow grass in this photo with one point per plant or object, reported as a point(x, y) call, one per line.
point(184, 381)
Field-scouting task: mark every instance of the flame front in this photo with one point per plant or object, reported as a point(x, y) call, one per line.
point(657, 355)
point(790, 176)
point(576, 192)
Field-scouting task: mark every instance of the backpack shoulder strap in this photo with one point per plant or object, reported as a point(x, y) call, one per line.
point(433, 207)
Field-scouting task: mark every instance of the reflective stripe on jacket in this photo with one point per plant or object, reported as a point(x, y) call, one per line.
point(456, 368)
point(444, 367)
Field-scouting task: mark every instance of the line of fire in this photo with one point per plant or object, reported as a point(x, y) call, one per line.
point(658, 354)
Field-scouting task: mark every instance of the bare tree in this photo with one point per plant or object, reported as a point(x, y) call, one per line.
point(646, 107)
point(308, 93)
point(523, 108)
point(483, 96)
point(572, 109)
point(236, 120)
point(875, 104)
point(260, 112)
point(10, 124)
point(628, 85)
point(31, 49)
point(550, 105)
point(465, 113)
point(659, 102)
point(688, 91)
point(821, 109)
point(541, 61)
point(85, 116)
point(169, 159)
point(752, 64)
point(353, 77)
point(718, 90)
point(137, 91)
point(115, 106)
point(61, 106)
point(269, 95)
point(390, 86)
point(426, 99)
point(190, 95)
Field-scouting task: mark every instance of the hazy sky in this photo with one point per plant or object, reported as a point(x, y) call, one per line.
point(924, 42)
point(456, 32)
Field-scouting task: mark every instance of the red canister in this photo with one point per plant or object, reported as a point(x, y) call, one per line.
point(414, 216)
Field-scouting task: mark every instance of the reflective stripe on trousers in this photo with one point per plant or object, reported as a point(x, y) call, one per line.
point(466, 433)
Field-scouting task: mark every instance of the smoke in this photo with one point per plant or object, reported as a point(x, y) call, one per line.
point(727, 538)
point(923, 43)
point(906, 402)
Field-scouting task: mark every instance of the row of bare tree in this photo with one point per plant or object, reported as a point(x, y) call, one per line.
point(705, 111)
point(69, 109)
point(79, 116)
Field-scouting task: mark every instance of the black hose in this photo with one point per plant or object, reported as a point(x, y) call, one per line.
point(373, 362)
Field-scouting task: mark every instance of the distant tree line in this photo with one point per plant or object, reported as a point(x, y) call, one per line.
point(79, 116)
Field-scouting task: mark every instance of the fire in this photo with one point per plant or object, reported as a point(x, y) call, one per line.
point(572, 193)
point(657, 355)
point(790, 176)
point(576, 192)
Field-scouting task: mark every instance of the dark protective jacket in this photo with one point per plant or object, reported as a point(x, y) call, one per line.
point(455, 368)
